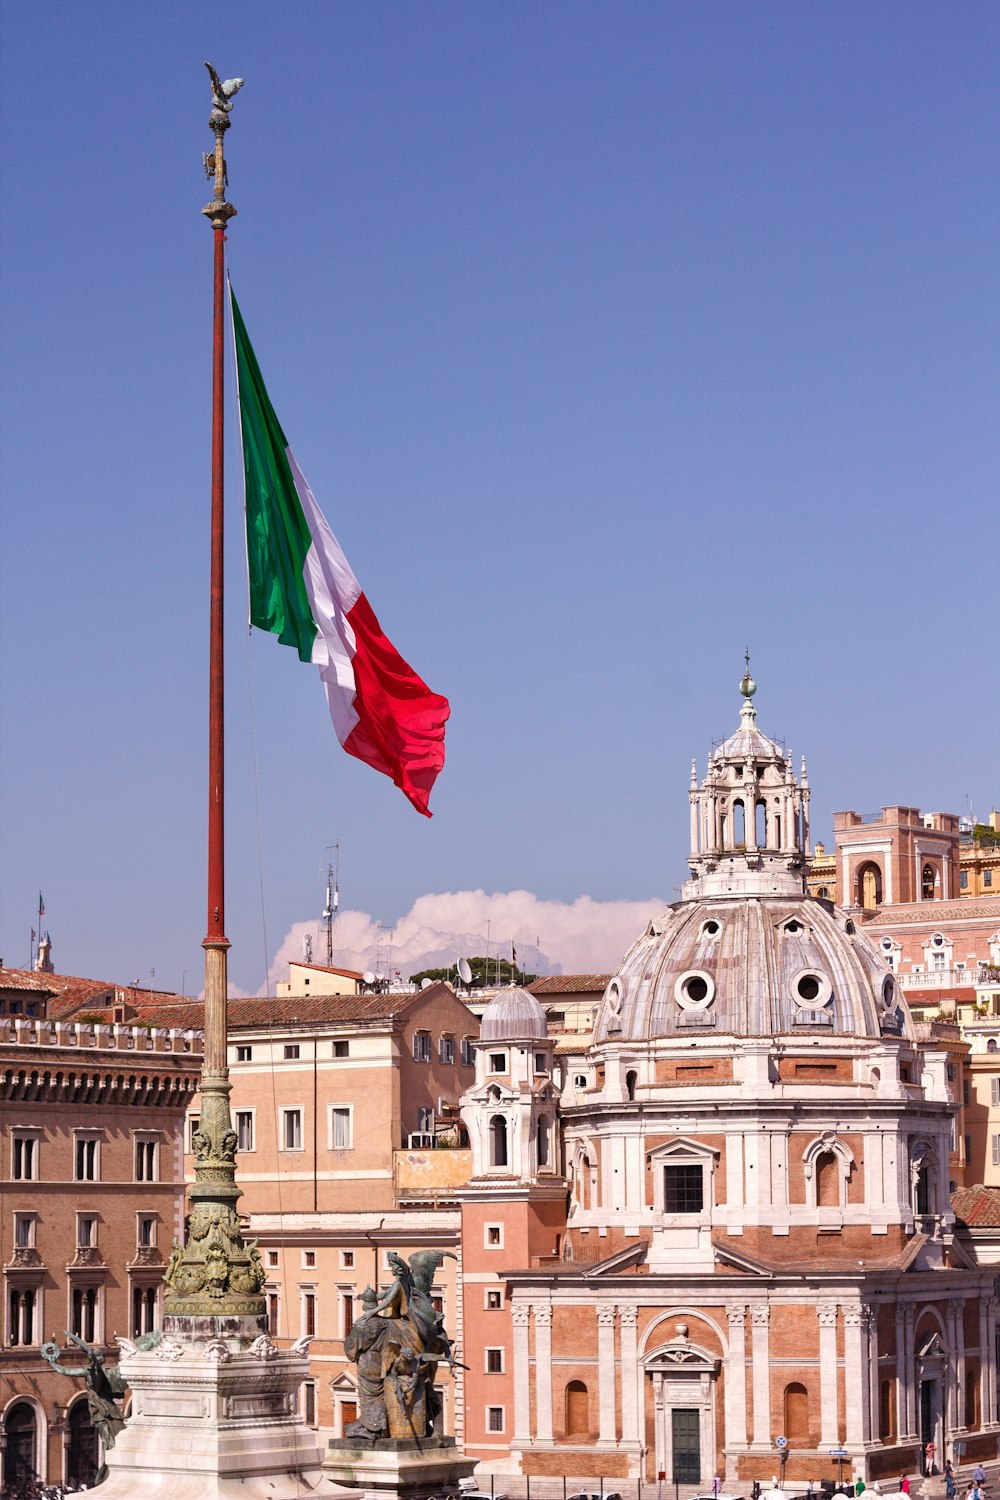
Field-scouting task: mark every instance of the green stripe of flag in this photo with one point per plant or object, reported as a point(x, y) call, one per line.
point(278, 537)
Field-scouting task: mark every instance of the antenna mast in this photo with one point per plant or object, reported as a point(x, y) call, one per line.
point(332, 900)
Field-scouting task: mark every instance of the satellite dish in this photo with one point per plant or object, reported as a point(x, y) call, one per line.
point(368, 977)
point(426, 982)
point(464, 971)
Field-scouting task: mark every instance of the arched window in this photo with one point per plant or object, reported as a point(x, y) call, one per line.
point(887, 1411)
point(19, 1452)
point(922, 1191)
point(498, 1141)
point(927, 883)
point(869, 886)
point(796, 1411)
point(823, 894)
point(739, 825)
point(760, 825)
point(631, 1079)
point(577, 1409)
point(83, 1460)
point(543, 1141)
point(828, 1180)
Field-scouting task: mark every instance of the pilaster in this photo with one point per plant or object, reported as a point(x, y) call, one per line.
point(828, 1399)
point(543, 1371)
point(520, 1315)
point(606, 1374)
point(760, 1318)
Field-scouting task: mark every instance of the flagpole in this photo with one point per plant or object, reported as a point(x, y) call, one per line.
point(215, 1281)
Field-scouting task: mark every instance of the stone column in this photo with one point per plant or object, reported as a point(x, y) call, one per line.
point(631, 1374)
point(607, 1432)
point(985, 1360)
point(901, 1427)
point(736, 1377)
point(761, 1354)
point(855, 1377)
point(519, 1316)
point(828, 1402)
point(956, 1367)
point(910, 1371)
point(871, 1354)
point(543, 1372)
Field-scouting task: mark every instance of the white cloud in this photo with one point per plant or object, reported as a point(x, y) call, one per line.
point(582, 936)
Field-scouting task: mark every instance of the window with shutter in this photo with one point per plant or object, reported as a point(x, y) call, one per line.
point(995, 1141)
point(995, 1090)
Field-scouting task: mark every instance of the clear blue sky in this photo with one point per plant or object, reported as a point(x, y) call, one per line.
point(611, 337)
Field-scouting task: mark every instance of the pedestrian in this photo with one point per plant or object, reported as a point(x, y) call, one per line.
point(717, 1486)
point(859, 1486)
point(979, 1474)
point(904, 1485)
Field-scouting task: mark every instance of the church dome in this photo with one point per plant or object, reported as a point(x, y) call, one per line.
point(747, 953)
point(512, 1016)
point(757, 967)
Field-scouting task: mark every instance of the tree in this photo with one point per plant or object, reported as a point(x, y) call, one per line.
point(485, 972)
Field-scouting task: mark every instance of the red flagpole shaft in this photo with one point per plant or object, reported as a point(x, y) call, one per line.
point(216, 740)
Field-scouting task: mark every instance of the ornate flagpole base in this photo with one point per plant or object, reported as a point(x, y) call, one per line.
point(215, 1282)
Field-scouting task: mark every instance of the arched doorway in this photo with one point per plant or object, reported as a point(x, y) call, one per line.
point(21, 1432)
point(869, 886)
point(684, 1380)
point(928, 879)
point(83, 1459)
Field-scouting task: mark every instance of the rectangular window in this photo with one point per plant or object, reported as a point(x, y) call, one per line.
point(346, 1310)
point(291, 1129)
point(145, 1161)
point(308, 1258)
point(341, 1131)
point(244, 1130)
point(347, 1259)
point(85, 1159)
point(683, 1189)
point(341, 1049)
point(244, 1054)
point(498, 1062)
point(309, 1403)
point(193, 1122)
point(995, 1145)
point(493, 1236)
point(468, 1053)
point(965, 1091)
point(291, 1049)
point(988, 879)
point(493, 1301)
point(446, 1049)
point(21, 1314)
point(995, 1091)
point(146, 1230)
point(24, 1231)
point(963, 880)
point(24, 1158)
point(272, 1257)
point(273, 1311)
point(494, 1419)
point(84, 1312)
point(494, 1361)
point(539, 1062)
point(86, 1231)
point(950, 1071)
point(421, 1046)
point(309, 1313)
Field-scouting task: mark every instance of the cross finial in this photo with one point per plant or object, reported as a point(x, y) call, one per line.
point(747, 687)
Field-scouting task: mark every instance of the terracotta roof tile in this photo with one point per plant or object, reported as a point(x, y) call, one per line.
point(326, 969)
point(570, 984)
point(296, 1010)
point(977, 1207)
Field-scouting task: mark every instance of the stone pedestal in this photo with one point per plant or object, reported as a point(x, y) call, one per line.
point(213, 1420)
point(397, 1469)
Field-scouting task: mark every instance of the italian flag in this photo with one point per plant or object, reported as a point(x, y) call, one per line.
point(302, 588)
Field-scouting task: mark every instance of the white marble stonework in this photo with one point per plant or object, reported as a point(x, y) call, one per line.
point(214, 1422)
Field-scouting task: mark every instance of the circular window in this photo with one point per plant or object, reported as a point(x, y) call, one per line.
point(937, 940)
point(694, 990)
point(711, 928)
point(887, 945)
point(793, 926)
point(888, 993)
point(810, 990)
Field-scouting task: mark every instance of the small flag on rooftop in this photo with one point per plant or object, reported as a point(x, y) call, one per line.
point(303, 589)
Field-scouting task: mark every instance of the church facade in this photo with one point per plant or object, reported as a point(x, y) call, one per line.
point(718, 1238)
